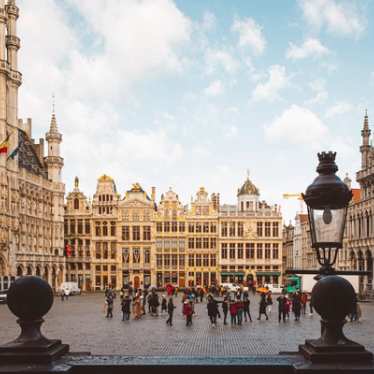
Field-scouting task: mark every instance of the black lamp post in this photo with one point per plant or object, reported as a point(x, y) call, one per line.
point(327, 199)
point(333, 297)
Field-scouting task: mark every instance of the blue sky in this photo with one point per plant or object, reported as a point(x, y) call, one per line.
point(192, 93)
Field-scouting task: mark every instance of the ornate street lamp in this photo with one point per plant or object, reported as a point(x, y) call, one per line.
point(327, 199)
point(333, 297)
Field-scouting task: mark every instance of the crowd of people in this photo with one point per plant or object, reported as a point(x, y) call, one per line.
point(232, 307)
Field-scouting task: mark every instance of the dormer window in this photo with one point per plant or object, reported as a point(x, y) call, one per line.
point(76, 204)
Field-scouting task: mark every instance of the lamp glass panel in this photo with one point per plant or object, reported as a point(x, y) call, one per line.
point(328, 225)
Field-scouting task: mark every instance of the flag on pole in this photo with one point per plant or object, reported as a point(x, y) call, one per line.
point(4, 145)
point(14, 153)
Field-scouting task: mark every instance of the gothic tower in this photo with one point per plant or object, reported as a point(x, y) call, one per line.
point(10, 78)
point(54, 160)
point(365, 147)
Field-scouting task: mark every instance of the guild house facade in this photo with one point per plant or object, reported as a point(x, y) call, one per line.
point(117, 239)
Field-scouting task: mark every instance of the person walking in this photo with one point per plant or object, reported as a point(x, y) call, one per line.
point(170, 309)
point(240, 309)
point(287, 307)
point(303, 300)
point(137, 306)
point(262, 307)
point(154, 303)
point(246, 303)
point(233, 312)
point(281, 308)
point(225, 309)
point(126, 308)
point(164, 307)
point(213, 312)
point(296, 306)
point(269, 302)
point(121, 294)
point(145, 299)
point(201, 294)
point(109, 306)
point(187, 312)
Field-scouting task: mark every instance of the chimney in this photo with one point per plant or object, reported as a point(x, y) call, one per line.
point(41, 148)
point(153, 194)
point(28, 129)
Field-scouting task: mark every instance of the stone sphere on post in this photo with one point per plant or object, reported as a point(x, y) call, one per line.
point(333, 297)
point(30, 298)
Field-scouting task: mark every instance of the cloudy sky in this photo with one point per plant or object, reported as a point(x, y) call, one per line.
point(190, 93)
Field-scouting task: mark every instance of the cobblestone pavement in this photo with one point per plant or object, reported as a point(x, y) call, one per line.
point(80, 322)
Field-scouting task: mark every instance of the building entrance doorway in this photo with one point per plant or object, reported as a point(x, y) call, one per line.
point(136, 282)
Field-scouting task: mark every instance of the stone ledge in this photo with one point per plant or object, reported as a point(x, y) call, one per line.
point(287, 363)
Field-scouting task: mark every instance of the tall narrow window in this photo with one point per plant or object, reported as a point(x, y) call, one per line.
point(224, 251)
point(146, 232)
point(224, 229)
point(267, 229)
point(240, 229)
point(240, 251)
point(232, 229)
point(125, 233)
point(267, 251)
point(136, 233)
point(275, 229)
point(232, 251)
point(275, 251)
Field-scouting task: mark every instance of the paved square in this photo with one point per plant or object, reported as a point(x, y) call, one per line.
point(80, 322)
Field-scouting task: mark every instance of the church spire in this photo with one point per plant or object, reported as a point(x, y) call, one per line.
point(53, 126)
point(365, 147)
point(54, 160)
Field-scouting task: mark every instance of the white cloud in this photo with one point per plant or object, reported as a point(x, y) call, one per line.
point(90, 65)
point(250, 35)
point(216, 58)
point(215, 88)
point(231, 131)
point(318, 87)
point(310, 48)
point(209, 21)
point(269, 90)
point(296, 125)
point(338, 109)
point(342, 18)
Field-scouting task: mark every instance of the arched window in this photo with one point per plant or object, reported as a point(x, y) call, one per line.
point(247, 204)
point(19, 271)
point(76, 203)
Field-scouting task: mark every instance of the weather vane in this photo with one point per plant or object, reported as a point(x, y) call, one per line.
point(53, 103)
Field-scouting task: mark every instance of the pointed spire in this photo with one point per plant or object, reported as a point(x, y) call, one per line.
point(366, 120)
point(53, 127)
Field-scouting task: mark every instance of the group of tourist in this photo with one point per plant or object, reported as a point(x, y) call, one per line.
point(234, 306)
